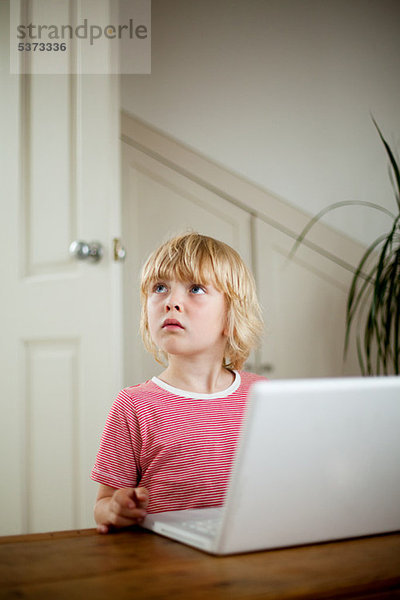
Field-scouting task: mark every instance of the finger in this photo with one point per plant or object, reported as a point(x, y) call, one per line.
point(131, 498)
point(142, 497)
point(133, 514)
point(121, 521)
point(128, 510)
point(103, 529)
point(125, 497)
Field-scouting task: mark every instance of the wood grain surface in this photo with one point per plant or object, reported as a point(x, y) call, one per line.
point(138, 564)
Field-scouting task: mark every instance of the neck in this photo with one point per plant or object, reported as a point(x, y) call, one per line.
point(194, 376)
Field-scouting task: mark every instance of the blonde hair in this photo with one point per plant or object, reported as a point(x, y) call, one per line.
point(201, 259)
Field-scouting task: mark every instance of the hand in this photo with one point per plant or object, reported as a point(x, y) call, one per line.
point(126, 507)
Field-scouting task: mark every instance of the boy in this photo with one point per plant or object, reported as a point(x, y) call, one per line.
point(169, 443)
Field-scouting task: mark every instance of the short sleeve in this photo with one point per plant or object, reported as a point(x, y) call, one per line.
point(118, 459)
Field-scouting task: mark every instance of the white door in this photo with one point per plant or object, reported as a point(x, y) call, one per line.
point(304, 306)
point(158, 202)
point(60, 350)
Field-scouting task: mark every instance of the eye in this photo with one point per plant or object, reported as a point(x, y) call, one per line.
point(159, 288)
point(197, 289)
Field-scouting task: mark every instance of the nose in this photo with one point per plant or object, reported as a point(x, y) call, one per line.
point(174, 301)
point(171, 305)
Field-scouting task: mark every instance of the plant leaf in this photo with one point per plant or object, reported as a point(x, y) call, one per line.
point(368, 336)
point(353, 298)
point(378, 300)
point(391, 299)
point(373, 302)
point(328, 209)
point(360, 356)
point(395, 166)
point(396, 341)
point(354, 303)
point(382, 262)
point(358, 272)
point(380, 307)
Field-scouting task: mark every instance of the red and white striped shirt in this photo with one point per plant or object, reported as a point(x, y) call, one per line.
point(177, 444)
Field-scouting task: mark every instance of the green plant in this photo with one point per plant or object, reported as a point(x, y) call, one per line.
point(373, 302)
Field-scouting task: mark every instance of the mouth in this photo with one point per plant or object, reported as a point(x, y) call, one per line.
point(172, 324)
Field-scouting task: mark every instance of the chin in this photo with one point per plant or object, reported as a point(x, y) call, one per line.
point(173, 349)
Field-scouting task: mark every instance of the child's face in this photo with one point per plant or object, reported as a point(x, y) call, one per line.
point(186, 319)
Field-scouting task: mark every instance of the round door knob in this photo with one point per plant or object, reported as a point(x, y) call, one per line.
point(84, 251)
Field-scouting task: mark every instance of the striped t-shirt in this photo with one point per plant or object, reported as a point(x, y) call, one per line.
point(179, 445)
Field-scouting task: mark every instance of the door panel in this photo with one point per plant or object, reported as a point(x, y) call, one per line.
point(51, 476)
point(49, 210)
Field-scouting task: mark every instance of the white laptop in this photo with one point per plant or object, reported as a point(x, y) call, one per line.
point(317, 460)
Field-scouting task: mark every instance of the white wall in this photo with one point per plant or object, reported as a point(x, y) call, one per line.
point(281, 91)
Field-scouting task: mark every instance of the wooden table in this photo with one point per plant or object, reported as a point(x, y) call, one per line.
point(136, 564)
